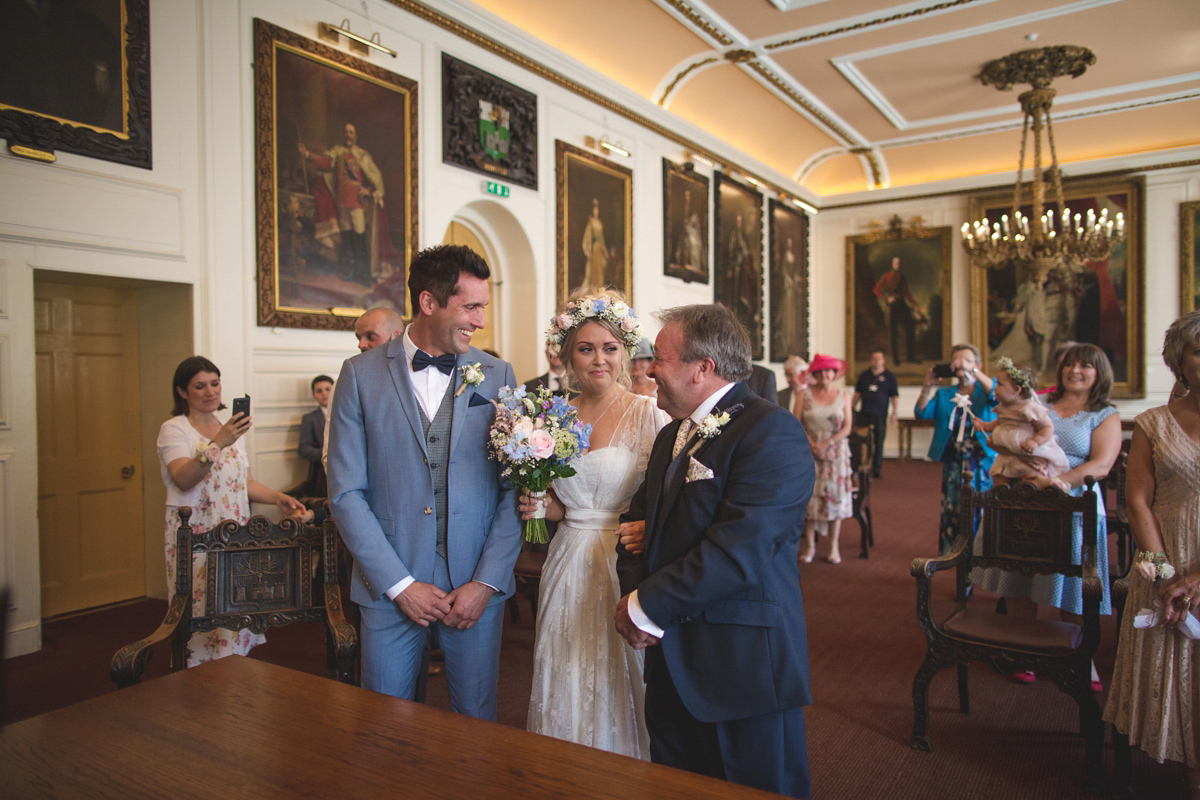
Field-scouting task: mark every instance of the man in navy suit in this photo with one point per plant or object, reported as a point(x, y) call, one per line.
point(420, 504)
point(716, 594)
point(312, 437)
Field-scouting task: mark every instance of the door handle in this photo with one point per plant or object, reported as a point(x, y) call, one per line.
point(127, 472)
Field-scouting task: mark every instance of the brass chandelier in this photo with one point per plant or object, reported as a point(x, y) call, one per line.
point(1048, 241)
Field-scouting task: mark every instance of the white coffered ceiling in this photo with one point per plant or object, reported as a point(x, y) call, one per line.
point(846, 95)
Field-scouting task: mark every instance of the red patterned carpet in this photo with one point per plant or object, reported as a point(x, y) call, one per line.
point(1018, 742)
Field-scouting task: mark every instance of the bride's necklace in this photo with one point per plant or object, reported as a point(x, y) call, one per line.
point(596, 421)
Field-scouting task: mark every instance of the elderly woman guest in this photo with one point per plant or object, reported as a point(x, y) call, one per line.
point(1089, 430)
point(204, 467)
point(795, 374)
point(641, 383)
point(827, 418)
point(1155, 694)
point(955, 443)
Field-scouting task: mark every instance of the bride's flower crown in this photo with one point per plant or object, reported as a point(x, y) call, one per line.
point(589, 308)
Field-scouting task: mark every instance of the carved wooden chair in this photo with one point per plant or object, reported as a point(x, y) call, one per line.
point(528, 575)
point(259, 575)
point(1116, 518)
point(1025, 530)
point(862, 459)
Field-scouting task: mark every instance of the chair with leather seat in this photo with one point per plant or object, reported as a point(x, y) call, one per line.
point(1028, 531)
point(259, 575)
point(862, 459)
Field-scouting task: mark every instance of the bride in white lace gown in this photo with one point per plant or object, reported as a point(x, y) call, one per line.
point(587, 680)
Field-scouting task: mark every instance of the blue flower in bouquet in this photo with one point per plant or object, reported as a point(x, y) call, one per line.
point(535, 437)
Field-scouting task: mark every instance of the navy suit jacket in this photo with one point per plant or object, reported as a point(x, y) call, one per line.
point(312, 439)
point(719, 574)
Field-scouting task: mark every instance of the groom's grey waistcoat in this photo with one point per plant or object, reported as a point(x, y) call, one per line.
point(437, 445)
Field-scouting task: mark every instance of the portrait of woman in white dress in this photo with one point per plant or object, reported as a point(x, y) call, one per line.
point(587, 680)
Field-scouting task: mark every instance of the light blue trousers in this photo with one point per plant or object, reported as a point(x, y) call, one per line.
point(392, 645)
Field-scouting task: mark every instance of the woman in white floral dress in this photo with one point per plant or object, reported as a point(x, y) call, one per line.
point(205, 467)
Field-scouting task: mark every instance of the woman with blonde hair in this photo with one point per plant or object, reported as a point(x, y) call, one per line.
point(587, 680)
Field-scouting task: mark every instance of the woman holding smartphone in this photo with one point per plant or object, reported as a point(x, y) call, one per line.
point(955, 442)
point(204, 467)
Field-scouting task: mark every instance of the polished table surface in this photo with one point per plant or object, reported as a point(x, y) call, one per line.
point(241, 727)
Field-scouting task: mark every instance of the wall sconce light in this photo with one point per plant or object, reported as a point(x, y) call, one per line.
point(801, 204)
point(604, 144)
point(688, 155)
point(358, 44)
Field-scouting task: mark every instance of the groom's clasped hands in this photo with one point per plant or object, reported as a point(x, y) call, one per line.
point(424, 603)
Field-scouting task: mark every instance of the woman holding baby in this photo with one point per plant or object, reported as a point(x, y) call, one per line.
point(1088, 429)
point(1155, 695)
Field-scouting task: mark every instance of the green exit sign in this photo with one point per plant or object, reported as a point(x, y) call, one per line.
point(498, 189)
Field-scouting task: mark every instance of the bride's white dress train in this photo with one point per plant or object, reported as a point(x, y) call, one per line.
point(587, 680)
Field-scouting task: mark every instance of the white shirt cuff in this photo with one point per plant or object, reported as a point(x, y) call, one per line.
point(395, 591)
point(639, 618)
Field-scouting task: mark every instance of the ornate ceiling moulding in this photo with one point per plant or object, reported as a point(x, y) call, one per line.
point(493, 46)
point(701, 22)
point(683, 73)
point(740, 56)
point(865, 24)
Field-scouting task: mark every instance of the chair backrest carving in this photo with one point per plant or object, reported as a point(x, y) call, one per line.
point(1029, 530)
point(258, 575)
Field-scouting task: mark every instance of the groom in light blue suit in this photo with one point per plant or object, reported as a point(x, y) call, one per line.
point(418, 501)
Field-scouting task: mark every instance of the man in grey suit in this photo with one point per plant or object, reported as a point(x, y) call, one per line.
point(433, 530)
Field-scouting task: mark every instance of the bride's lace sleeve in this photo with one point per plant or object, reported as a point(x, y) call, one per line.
point(642, 421)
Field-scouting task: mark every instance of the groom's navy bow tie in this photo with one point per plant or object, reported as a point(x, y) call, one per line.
point(444, 362)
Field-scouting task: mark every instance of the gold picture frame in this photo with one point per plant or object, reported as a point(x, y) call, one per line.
point(336, 175)
point(898, 294)
point(1100, 303)
point(1189, 257)
point(594, 222)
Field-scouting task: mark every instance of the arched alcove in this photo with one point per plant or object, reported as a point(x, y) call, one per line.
point(518, 333)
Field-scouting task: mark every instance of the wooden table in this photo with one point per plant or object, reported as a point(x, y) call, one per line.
point(904, 429)
point(245, 728)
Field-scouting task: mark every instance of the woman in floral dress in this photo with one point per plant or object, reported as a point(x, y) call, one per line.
point(205, 467)
point(827, 419)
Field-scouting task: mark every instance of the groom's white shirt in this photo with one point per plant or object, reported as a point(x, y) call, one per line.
point(636, 615)
point(429, 387)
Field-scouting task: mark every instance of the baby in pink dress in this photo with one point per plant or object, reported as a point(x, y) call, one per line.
point(1022, 434)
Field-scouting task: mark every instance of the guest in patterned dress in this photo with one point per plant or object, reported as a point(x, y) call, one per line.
point(1089, 431)
point(956, 443)
point(205, 467)
point(827, 417)
point(1155, 694)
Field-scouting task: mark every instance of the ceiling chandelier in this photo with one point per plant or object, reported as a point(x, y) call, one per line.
point(1048, 240)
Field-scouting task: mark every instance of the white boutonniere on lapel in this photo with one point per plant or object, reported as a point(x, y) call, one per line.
point(471, 374)
point(710, 426)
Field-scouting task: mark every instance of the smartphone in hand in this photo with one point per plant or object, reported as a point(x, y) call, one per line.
point(241, 405)
point(939, 371)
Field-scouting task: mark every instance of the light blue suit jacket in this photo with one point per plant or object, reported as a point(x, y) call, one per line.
point(381, 485)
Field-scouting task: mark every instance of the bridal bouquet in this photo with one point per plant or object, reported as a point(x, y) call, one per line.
point(534, 437)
